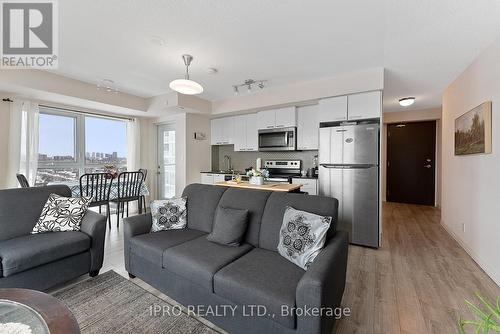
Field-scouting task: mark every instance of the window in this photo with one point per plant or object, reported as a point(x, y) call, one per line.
point(72, 144)
point(105, 142)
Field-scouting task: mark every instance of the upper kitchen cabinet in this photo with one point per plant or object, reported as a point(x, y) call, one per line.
point(307, 127)
point(266, 119)
point(222, 131)
point(286, 117)
point(252, 132)
point(333, 109)
point(246, 133)
point(364, 105)
point(277, 118)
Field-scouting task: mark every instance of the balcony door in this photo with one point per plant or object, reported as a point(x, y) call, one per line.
point(166, 161)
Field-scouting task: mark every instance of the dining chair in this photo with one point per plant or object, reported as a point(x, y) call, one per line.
point(129, 190)
point(22, 181)
point(143, 198)
point(97, 186)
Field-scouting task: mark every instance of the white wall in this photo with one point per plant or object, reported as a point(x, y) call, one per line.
point(411, 116)
point(471, 184)
point(198, 152)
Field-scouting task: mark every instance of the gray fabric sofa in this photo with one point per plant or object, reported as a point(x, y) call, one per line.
point(41, 261)
point(194, 271)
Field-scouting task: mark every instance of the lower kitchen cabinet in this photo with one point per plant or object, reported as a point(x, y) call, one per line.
point(212, 178)
point(310, 186)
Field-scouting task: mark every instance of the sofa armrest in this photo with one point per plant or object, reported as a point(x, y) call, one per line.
point(323, 284)
point(94, 225)
point(133, 226)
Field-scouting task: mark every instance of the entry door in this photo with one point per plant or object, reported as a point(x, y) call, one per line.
point(411, 162)
point(166, 161)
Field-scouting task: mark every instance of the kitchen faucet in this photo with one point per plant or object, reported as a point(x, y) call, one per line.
point(227, 162)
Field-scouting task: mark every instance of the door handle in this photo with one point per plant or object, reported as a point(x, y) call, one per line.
point(427, 166)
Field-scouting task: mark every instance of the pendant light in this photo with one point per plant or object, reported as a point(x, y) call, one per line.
point(186, 86)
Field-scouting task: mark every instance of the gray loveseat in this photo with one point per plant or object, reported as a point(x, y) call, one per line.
point(41, 261)
point(194, 271)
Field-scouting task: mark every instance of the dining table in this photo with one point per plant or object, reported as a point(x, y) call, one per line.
point(113, 194)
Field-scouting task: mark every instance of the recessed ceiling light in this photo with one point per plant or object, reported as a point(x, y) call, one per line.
point(157, 40)
point(406, 101)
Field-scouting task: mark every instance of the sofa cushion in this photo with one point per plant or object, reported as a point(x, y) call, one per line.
point(302, 236)
point(252, 200)
point(199, 259)
point(275, 209)
point(151, 245)
point(61, 214)
point(261, 277)
point(168, 214)
point(20, 208)
point(202, 200)
point(26, 252)
point(229, 226)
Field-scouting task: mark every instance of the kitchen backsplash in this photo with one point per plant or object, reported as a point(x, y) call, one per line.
point(242, 160)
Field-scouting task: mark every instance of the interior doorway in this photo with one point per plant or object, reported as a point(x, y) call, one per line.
point(411, 163)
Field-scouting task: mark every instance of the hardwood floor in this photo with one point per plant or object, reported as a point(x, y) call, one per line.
point(415, 283)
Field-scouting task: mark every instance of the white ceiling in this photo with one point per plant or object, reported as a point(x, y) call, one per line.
point(423, 44)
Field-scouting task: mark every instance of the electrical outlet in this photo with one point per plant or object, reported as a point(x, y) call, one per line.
point(463, 227)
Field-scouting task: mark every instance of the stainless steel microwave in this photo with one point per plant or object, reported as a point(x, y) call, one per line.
point(281, 139)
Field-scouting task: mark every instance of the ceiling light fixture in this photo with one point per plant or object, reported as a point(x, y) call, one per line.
point(406, 101)
point(107, 85)
point(186, 86)
point(248, 84)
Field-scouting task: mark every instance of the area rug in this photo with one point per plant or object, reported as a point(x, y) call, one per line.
point(109, 303)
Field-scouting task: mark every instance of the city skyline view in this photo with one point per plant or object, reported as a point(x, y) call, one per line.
point(102, 136)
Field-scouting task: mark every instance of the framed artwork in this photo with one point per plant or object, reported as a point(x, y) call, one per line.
point(473, 131)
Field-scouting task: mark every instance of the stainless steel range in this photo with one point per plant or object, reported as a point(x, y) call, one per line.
point(283, 170)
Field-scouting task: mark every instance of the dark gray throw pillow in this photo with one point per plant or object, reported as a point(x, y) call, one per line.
point(229, 226)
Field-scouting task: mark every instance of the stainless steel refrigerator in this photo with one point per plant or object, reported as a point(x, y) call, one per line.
point(349, 171)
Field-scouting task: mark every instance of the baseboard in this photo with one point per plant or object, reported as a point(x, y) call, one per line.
point(491, 273)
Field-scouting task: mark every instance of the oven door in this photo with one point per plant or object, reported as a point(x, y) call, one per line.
point(277, 139)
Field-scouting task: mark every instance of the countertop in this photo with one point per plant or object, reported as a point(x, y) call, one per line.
point(283, 187)
point(225, 173)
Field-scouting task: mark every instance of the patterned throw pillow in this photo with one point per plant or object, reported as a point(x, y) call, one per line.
point(169, 214)
point(62, 214)
point(302, 236)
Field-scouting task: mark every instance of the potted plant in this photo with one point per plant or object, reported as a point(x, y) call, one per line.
point(257, 176)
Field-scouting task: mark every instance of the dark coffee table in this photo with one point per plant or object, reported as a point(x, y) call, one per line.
point(42, 312)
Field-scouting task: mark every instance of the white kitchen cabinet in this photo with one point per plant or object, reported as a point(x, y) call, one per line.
point(252, 132)
point(240, 133)
point(277, 118)
point(219, 178)
point(266, 119)
point(333, 109)
point(307, 127)
point(310, 186)
point(207, 178)
point(286, 117)
point(364, 105)
point(212, 178)
point(222, 131)
point(246, 133)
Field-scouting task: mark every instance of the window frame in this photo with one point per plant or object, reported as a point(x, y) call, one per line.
point(79, 142)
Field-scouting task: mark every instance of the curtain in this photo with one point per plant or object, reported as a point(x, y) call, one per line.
point(133, 145)
point(23, 141)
